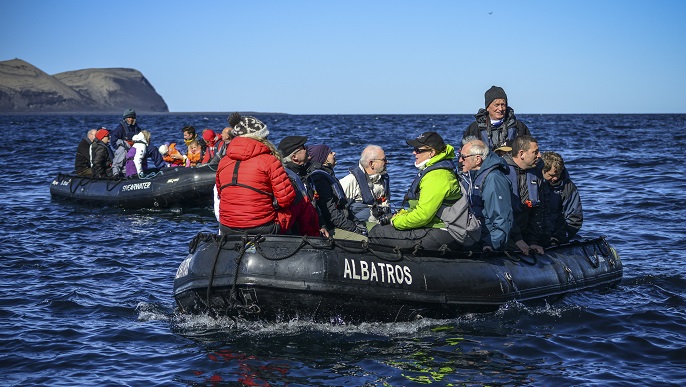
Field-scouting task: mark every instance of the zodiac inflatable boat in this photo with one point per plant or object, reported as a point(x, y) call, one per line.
point(173, 186)
point(284, 277)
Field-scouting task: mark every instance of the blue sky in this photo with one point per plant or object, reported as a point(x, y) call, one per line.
point(369, 57)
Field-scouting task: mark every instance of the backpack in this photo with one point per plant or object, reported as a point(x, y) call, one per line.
point(462, 224)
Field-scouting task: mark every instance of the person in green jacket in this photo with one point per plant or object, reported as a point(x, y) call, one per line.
point(436, 185)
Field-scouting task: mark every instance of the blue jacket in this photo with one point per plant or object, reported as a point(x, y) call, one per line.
point(125, 132)
point(490, 194)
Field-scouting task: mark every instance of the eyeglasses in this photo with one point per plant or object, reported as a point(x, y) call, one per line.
point(466, 156)
point(385, 160)
point(421, 150)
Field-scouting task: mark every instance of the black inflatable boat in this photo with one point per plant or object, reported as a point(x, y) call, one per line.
point(285, 277)
point(174, 186)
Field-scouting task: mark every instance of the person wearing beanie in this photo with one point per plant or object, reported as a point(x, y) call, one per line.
point(121, 140)
point(323, 155)
point(82, 163)
point(496, 123)
point(252, 192)
point(435, 186)
point(101, 155)
point(330, 197)
point(211, 140)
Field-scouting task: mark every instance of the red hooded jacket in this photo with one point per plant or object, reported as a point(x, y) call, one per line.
point(242, 207)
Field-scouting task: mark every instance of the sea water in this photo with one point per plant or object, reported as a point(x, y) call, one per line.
point(86, 292)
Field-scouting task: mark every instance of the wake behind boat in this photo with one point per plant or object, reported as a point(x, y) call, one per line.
point(174, 186)
point(283, 277)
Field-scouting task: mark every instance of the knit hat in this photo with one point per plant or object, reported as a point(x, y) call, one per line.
point(290, 144)
point(163, 149)
point(250, 127)
point(130, 113)
point(209, 135)
point(430, 139)
point(318, 153)
point(101, 133)
point(494, 93)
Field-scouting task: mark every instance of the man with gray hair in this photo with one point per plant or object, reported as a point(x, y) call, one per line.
point(490, 192)
point(82, 164)
point(367, 187)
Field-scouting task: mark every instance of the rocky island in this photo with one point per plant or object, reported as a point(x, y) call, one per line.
point(25, 88)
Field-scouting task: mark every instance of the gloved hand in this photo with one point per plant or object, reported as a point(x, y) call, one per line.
point(383, 219)
point(360, 229)
point(377, 211)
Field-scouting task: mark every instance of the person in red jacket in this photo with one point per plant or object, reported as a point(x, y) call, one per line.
point(253, 189)
point(212, 140)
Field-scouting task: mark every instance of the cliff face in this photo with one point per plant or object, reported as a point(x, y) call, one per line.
point(25, 88)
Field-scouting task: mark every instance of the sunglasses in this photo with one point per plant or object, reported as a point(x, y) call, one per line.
point(461, 156)
point(421, 150)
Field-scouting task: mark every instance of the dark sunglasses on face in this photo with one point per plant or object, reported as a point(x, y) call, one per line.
point(421, 150)
point(465, 156)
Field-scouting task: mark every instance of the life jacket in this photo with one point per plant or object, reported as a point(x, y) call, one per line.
point(234, 182)
point(210, 151)
point(300, 189)
point(492, 136)
point(194, 158)
point(413, 191)
point(339, 194)
point(367, 195)
point(172, 161)
point(532, 182)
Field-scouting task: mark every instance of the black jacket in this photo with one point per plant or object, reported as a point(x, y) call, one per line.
point(83, 158)
point(482, 129)
point(102, 159)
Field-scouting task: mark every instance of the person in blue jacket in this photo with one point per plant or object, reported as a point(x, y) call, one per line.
point(489, 192)
point(121, 139)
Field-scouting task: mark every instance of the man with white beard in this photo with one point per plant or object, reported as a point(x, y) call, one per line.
point(367, 187)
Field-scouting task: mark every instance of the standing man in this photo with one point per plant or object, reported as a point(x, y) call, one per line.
point(368, 187)
point(82, 164)
point(121, 139)
point(490, 193)
point(497, 123)
point(526, 178)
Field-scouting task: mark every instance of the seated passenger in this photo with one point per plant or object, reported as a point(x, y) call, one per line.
point(435, 185)
point(306, 218)
point(525, 177)
point(211, 139)
point(330, 198)
point(137, 156)
point(82, 164)
point(194, 155)
point(367, 187)
point(563, 216)
point(490, 193)
point(101, 155)
point(252, 186)
point(171, 156)
point(122, 139)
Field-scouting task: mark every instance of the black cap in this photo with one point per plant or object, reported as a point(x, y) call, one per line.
point(430, 139)
point(494, 93)
point(289, 144)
